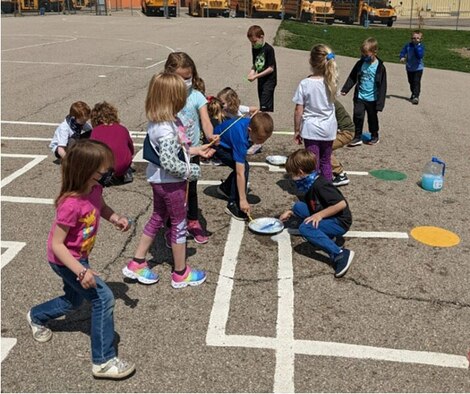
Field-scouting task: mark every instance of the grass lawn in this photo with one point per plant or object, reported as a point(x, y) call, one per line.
point(445, 49)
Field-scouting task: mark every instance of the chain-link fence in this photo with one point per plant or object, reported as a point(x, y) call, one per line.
point(433, 13)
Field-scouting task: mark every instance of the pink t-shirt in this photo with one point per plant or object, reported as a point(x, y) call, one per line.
point(82, 216)
point(118, 139)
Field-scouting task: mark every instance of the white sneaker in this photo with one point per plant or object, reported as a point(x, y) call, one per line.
point(40, 333)
point(253, 149)
point(113, 369)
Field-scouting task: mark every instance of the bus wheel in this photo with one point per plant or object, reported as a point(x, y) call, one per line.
point(390, 23)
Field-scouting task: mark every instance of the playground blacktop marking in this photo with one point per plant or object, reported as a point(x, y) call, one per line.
point(284, 344)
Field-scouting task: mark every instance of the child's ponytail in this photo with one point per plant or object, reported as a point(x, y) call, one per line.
point(215, 109)
point(322, 60)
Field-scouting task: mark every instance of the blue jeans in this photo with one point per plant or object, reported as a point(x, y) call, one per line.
point(102, 306)
point(230, 184)
point(321, 236)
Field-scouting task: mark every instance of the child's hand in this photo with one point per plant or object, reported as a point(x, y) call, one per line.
point(206, 151)
point(88, 280)
point(297, 138)
point(314, 219)
point(214, 139)
point(251, 76)
point(285, 215)
point(403, 59)
point(245, 207)
point(122, 223)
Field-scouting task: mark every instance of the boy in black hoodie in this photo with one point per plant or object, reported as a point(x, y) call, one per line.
point(370, 77)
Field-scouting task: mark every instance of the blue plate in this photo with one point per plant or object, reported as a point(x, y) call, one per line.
point(266, 226)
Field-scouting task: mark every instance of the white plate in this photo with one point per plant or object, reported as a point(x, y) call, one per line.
point(276, 160)
point(266, 226)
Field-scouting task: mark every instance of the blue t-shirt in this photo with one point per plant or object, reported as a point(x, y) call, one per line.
point(367, 89)
point(235, 138)
point(189, 115)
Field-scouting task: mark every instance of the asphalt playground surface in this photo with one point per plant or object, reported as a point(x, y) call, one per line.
point(271, 317)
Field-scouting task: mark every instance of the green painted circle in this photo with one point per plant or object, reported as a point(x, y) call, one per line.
point(388, 175)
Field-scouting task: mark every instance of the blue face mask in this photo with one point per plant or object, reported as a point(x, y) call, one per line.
point(74, 125)
point(367, 59)
point(304, 184)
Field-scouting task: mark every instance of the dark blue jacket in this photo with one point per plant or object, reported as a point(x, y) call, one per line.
point(414, 56)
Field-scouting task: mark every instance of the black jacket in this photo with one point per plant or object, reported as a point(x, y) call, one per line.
point(380, 83)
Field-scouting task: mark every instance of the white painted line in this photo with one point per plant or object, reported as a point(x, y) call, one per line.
point(270, 167)
point(68, 39)
point(363, 234)
point(26, 139)
point(37, 159)
point(285, 356)
point(12, 249)
point(334, 349)
point(285, 345)
point(356, 172)
point(7, 345)
point(27, 200)
point(101, 76)
point(223, 293)
point(28, 123)
point(376, 234)
point(75, 64)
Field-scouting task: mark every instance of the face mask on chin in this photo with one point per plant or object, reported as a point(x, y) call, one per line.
point(258, 45)
point(367, 59)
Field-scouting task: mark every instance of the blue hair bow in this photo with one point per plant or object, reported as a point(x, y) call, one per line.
point(330, 56)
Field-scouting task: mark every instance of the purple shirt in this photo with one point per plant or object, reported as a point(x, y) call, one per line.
point(119, 141)
point(82, 215)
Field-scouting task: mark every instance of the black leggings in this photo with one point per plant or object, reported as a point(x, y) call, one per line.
point(193, 205)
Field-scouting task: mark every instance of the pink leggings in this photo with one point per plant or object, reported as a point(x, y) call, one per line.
point(168, 201)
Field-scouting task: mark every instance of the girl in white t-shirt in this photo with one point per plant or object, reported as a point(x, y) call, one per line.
point(314, 115)
point(169, 177)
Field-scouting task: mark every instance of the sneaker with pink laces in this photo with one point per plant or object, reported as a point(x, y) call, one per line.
point(141, 272)
point(191, 277)
point(197, 232)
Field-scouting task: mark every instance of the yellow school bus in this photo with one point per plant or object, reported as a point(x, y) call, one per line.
point(257, 8)
point(11, 6)
point(310, 10)
point(157, 7)
point(365, 12)
point(208, 8)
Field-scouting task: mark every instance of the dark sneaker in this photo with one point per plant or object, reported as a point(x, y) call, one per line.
point(356, 141)
point(373, 141)
point(341, 179)
point(415, 100)
point(222, 192)
point(232, 209)
point(343, 261)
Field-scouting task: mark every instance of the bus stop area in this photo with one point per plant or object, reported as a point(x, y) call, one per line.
point(271, 317)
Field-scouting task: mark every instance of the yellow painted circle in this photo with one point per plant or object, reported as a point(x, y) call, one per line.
point(435, 236)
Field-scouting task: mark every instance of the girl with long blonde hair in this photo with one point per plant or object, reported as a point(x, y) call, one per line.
point(314, 116)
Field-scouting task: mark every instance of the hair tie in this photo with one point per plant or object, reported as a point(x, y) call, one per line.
point(330, 56)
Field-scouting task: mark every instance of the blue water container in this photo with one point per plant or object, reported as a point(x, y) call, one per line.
point(433, 175)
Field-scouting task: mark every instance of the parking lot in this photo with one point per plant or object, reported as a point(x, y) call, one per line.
point(271, 316)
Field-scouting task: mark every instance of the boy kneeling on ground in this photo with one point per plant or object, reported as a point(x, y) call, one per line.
point(324, 210)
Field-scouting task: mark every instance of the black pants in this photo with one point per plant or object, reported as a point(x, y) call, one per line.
point(360, 109)
point(193, 204)
point(229, 186)
point(266, 95)
point(414, 79)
